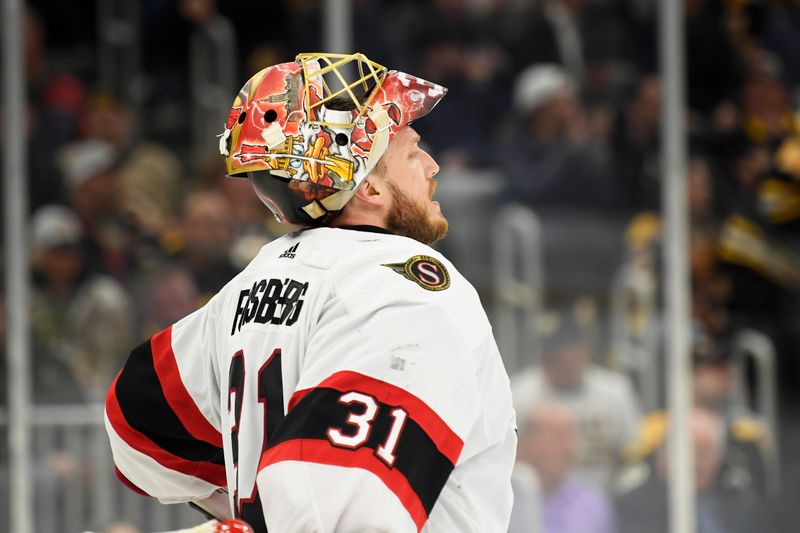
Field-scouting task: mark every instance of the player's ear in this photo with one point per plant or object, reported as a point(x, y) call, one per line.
point(373, 191)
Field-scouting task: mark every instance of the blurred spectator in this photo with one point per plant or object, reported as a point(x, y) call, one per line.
point(588, 38)
point(80, 320)
point(600, 401)
point(172, 296)
point(70, 33)
point(780, 33)
point(742, 271)
point(710, 285)
point(456, 48)
point(150, 174)
point(714, 70)
point(635, 140)
point(644, 506)
point(55, 101)
point(636, 314)
point(526, 513)
point(551, 33)
point(766, 100)
point(740, 466)
point(249, 217)
point(701, 193)
point(748, 445)
point(545, 148)
point(759, 241)
point(92, 174)
point(547, 442)
point(212, 71)
point(205, 241)
point(764, 273)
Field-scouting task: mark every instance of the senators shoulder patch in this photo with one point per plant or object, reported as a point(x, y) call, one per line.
point(424, 270)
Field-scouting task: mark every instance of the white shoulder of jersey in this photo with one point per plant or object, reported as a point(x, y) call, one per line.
point(388, 269)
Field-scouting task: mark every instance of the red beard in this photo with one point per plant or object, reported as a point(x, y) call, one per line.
point(410, 219)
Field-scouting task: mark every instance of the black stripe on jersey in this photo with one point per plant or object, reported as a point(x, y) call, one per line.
point(146, 410)
point(417, 457)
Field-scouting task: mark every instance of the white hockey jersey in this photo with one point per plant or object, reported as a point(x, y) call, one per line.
point(345, 381)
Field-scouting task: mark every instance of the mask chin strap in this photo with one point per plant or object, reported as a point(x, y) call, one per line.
point(380, 142)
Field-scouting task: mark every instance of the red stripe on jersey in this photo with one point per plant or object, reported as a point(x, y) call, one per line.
point(445, 439)
point(209, 472)
point(323, 452)
point(175, 392)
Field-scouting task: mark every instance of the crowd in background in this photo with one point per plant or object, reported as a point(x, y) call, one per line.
point(133, 224)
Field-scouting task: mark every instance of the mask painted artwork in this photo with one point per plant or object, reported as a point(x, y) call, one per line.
point(306, 133)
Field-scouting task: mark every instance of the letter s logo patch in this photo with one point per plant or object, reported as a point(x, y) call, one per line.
point(424, 270)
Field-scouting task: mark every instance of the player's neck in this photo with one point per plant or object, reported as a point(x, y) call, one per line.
point(359, 218)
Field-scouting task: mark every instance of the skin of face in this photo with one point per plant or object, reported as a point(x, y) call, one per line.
point(705, 428)
point(547, 442)
point(398, 193)
point(408, 172)
point(565, 366)
point(207, 225)
point(713, 386)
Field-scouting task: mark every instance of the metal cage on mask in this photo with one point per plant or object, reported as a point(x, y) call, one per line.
point(306, 133)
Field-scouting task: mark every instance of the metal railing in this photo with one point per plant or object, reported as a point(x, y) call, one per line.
point(518, 272)
point(636, 331)
point(762, 398)
point(73, 479)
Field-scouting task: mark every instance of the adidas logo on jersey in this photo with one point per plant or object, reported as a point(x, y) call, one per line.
point(290, 252)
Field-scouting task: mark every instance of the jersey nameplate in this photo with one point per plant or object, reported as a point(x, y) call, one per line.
point(424, 270)
point(270, 301)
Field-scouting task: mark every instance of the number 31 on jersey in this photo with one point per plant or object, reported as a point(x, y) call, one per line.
point(362, 422)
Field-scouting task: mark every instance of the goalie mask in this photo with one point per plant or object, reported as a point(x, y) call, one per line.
point(306, 133)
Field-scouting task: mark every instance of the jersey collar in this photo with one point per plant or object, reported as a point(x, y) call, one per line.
point(367, 228)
